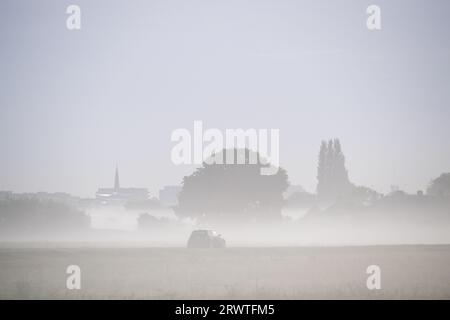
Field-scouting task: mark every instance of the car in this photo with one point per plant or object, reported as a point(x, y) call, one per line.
point(205, 239)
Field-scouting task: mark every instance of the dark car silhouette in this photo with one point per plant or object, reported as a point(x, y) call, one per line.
point(205, 239)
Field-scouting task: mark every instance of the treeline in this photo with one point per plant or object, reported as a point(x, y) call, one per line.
point(25, 217)
point(336, 194)
point(239, 193)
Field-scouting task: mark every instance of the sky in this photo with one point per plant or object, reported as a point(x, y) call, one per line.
point(74, 104)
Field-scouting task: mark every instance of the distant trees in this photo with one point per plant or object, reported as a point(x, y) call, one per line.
point(301, 200)
point(148, 222)
point(332, 175)
point(440, 187)
point(149, 204)
point(232, 192)
point(355, 200)
point(28, 217)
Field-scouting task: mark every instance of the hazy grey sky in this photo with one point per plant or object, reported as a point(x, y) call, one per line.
point(75, 103)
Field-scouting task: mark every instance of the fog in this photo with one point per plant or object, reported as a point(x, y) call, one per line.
point(158, 143)
point(119, 227)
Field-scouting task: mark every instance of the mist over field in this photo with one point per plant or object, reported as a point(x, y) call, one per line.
point(408, 272)
point(258, 149)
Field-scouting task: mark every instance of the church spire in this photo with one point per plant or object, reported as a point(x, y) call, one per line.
point(116, 180)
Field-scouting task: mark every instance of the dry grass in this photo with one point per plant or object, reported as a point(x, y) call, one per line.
point(408, 272)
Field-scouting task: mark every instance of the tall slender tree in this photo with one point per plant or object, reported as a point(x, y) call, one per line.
point(321, 168)
point(332, 175)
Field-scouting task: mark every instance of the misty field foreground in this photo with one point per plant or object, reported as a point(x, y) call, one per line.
point(407, 272)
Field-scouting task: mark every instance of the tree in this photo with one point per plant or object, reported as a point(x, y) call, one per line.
point(321, 168)
point(232, 192)
point(31, 217)
point(340, 173)
point(440, 186)
point(332, 175)
point(301, 200)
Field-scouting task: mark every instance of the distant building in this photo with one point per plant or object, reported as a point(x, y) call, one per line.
point(120, 196)
point(168, 196)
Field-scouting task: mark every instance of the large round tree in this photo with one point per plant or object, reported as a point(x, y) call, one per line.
point(440, 186)
point(233, 192)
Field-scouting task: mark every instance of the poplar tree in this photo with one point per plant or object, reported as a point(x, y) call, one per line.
point(332, 175)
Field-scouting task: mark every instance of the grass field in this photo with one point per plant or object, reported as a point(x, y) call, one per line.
point(408, 272)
